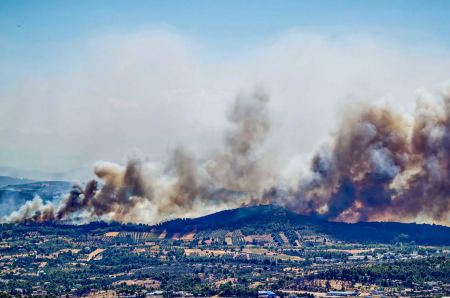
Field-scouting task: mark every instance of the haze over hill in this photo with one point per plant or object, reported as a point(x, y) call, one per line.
point(7, 180)
point(79, 174)
point(17, 192)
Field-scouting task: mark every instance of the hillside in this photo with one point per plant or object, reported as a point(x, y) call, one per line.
point(14, 195)
point(78, 174)
point(266, 220)
point(269, 219)
point(7, 180)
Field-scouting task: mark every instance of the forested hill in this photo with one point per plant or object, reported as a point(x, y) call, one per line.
point(262, 220)
point(267, 219)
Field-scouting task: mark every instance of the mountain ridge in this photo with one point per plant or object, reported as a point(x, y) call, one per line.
point(271, 220)
point(274, 219)
point(9, 181)
point(12, 196)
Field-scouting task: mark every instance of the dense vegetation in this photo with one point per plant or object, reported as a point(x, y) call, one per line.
point(228, 255)
point(409, 272)
point(265, 219)
point(270, 219)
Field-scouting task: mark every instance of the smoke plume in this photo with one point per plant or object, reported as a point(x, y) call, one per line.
point(141, 191)
point(240, 165)
point(379, 166)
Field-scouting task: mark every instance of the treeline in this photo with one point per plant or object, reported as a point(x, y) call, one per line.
point(269, 219)
point(406, 272)
point(265, 219)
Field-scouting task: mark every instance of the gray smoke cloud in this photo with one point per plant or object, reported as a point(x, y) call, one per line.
point(139, 191)
point(240, 166)
point(380, 165)
point(155, 88)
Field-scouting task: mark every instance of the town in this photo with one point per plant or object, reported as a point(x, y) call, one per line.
point(114, 260)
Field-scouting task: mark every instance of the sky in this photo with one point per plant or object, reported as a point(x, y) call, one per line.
point(33, 33)
point(87, 80)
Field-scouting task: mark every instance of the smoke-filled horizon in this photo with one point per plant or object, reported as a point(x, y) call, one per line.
point(156, 89)
point(203, 138)
point(379, 165)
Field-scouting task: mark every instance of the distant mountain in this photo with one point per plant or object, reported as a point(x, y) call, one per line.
point(7, 180)
point(268, 219)
point(79, 174)
point(13, 196)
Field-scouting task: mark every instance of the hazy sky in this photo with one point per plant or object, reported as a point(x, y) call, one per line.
point(87, 80)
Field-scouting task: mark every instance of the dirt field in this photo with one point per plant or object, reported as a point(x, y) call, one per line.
point(147, 283)
point(94, 254)
point(188, 237)
point(162, 235)
point(351, 251)
point(205, 252)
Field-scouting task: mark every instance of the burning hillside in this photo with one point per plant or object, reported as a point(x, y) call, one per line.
point(380, 166)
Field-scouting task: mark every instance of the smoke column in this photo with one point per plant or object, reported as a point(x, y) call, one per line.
point(379, 166)
point(141, 191)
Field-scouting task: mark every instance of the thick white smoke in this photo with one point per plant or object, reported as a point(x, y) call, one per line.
point(154, 90)
point(143, 191)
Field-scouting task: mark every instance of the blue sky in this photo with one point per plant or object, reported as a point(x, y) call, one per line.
point(35, 31)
